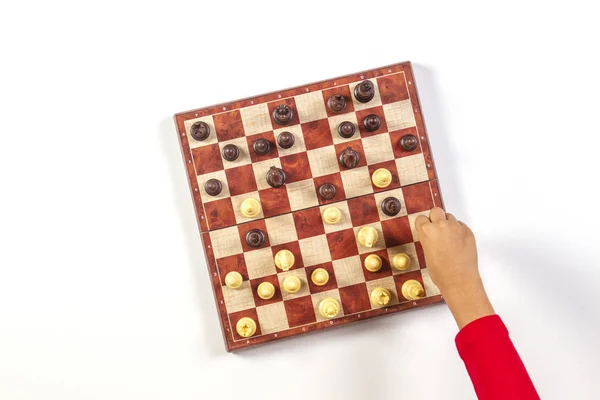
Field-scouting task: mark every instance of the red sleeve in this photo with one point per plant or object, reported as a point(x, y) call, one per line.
point(492, 361)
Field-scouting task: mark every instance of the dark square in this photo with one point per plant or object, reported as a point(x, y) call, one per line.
point(294, 247)
point(401, 278)
point(342, 244)
point(336, 180)
point(355, 298)
point(343, 90)
point(274, 201)
point(292, 104)
point(265, 135)
point(296, 167)
point(396, 136)
point(418, 197)
point(254, 283)
point(363, 210)
point(396, 231)
point(245, 228)
point(219, 213)
point(308, 223)
point(392, 88)
point(317, 134)
point(357, 146)
point(232, 263)
point(207, 159)
point(228, 125)
point(420, 255)
point(360, 116)
point(385, 269)
point(331, 284)
point(241, 180)
point(300, 311)
point(236, 316)
point(390, 166)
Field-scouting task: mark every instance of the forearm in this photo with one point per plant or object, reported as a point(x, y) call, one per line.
point(468, 301)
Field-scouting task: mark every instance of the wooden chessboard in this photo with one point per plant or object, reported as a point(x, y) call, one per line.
point(291, 215)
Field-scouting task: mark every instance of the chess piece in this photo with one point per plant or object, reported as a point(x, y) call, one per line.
point(213, 187)
point(292, 284)
point(250, 208)
point(255, 238)
point(261, 146)
point(320, 276)
point(380, 297)
point(327, 191)
point(409, 142)
point(245, 327)
point(283, 114)
point(231, 152)
point(412, 290)
point(391, 206)
point(285, 140)
point(329, 308)
point(266, 290)
point(371, 122)
point(284, 260)
point(346, 129)
point(336, 103)
point(373, 263)
point(332, 215)
point(364, 91)
point(381, 178)
point(200, 131)
point(233, 280)
point(401, 261)
point(367, 236)
point(349, 158)
point(276, 177)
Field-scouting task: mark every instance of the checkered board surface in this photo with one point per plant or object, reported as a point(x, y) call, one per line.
point(291, 216)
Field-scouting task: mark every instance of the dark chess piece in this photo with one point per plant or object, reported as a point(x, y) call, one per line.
point(261, 147)
point(349, 158)
point(231, 152)
point(213, 187)
point(200, 131)
point(285, 140)
point(346, 129)
point(255, 238)
point(372, 122)
point(283, 114)
point(391, 206)
point(276, 177)
point(364, 91)
point(327, 191)
point(409, 142)
point(336, 103)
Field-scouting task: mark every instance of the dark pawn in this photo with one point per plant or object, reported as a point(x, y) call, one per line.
point(255, 238)
point(409, 142)
point(336, 103)
point(200, 131)
point(372, 122)
point(213, 187)
point(391, 206)
point(364, 91)
point(283, 114)
point(349, 158)
point(285, 140)
point(346, 129)
point(262, 147)
point(231, 152)
point(327, 191)
point(276, 177)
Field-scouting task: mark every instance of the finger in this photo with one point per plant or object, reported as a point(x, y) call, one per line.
point(420, 221)
point(451, 217)
point(437, 214)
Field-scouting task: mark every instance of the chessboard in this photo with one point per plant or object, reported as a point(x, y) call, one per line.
point(306, 200)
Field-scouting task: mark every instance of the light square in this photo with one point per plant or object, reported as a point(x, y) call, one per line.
point(411, 251)
point(318, 297)
point(260, 263)
point(300, 274)
point(399, 115)
point(281, 229)
point(397, 193)
point(244, 157)
point(220, 175)
point(310, 106)
point(226, 242)
point(211, 139)
point(411, 219)
point(348, 271)
point(272, 318)
point(238, 299)
point(412, 169)
point(315, 250)
point(237, 203)
point(430, 288)
point(386, 283)
point(256, 119)
point(336, 120)
point(260, 171)
point(302, 194)
point(323, 161)
point(345, 222)
point(374, 102)
point(299, 145)
point(357, 182)
point(378, 148)
point(378, 245)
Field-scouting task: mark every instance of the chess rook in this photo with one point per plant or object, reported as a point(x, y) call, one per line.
point(200, 131)
point(336, 103)
point(246, 327)
point(372, 122)
point(364, 91)
point(285, 140)
point(213, 187)
point(346, 129)
point(380, 297)
point(262, 147)
point(276, 177)
point(283, 114)
point(409, 142)
point(349, 158)
point(327, 191)
point(231, 152)
point(255, 238)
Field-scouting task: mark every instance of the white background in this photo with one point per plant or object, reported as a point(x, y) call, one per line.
point(104, 293)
